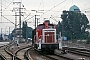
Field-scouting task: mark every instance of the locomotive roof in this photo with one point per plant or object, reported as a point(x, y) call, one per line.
point(48, 24)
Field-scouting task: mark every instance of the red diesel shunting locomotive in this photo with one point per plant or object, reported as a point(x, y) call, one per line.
point(44, 37)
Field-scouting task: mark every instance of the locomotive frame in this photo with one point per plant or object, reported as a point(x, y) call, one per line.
point(45, 38)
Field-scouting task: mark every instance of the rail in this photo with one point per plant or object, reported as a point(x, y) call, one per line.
point(82, 51)
point(2, 57)
point(26, 55)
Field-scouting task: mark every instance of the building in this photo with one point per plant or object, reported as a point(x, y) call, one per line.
point(74, 8)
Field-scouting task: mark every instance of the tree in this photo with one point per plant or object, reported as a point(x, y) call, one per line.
point(58, 28)
point(74, 25)
point(24, 30)
point(29, 32)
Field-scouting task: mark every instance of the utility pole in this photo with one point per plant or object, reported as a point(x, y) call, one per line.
point(1, 10)
point(9, 30)
point(19, 19)
point(37, 11)
point(26, 32)
point(16, 9)
point(15, 20)
point(35, 21)
point(1, 33)
point(1, 18)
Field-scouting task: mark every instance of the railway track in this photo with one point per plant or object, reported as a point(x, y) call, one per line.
point(38, 55)
point(28, 53)
point(22, 53)
point(80, 51)
point(4, 53)
point(7, 53)
point(57, 57)
point(34, 55)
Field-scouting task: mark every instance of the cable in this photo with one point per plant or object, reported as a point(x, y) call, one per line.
point(8, 20)
point(30, 17)
point(43, 4)
point(53, 18)
point(87, 9)
point(54, 7)
point(26, 16)
point(8, 5)
point(7, 1)
point(64, 5)
point(85, 4)
point(39, 6)
point(72, 2)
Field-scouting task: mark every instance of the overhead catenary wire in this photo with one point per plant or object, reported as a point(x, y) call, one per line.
point(27, 16)
point(8, 5)
point(84, 6)
point(64, 6)
point(30, 18)
point(41, 3)
point(5, 9)
point(8, 20)
point(53, 8)
point(53, 18)
point(7, 1)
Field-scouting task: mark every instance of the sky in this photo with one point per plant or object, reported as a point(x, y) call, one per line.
point(46, 9)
